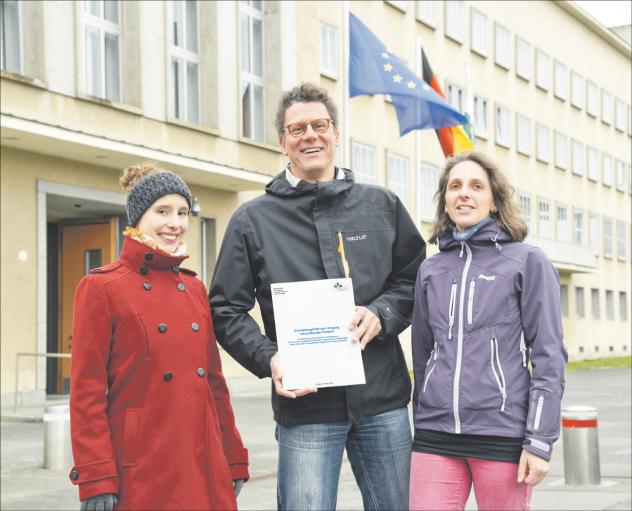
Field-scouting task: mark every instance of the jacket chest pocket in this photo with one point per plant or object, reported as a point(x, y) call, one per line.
point(486, 299)
point(443, 302)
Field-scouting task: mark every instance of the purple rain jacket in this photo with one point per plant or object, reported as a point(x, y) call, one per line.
point(484, 309)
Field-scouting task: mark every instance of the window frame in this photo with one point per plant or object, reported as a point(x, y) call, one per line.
point(592, 99)
point(401, 163)
point(578, 159)
point(524, 198)
point(609, 305)
point(607, 170)
point(420, 14)
point(606, 107)
point(542, 65)
point(622, 240)
point(249, 78)
point(544, 158)
point(20, 42)
point(579, 228)
point(479, 41)
point(523, 63)
point(459, 37)
point(592, 171)
point(329, 72)
point(595, 303)
point(369, 150)
point(506, 142)
point(560, 85)
point(607, 234)
point(619, 115)
point(561, 225)
point(580, 302)
point(594, 232)
point(502, 56)
point(427, 185)
point(523, 129)
point(577, 94)
point(558, 162)
point(548, 235)
point(478, 131)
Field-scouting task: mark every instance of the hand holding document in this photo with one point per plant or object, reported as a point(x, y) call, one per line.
point(312, 326)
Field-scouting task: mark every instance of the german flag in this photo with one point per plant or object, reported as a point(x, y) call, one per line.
point(453, 140)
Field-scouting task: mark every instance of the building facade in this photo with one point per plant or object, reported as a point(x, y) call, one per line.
point(89, 87)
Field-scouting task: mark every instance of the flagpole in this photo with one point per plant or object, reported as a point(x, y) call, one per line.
point(346, 136)
point(416, 163)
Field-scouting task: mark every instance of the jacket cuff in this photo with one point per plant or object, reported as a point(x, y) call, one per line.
point(95, 478)
point(94, 488)
point(237, 456)
point(239, 472)
point(538, 447)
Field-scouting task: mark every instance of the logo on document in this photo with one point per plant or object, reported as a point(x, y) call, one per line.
point(339, 287)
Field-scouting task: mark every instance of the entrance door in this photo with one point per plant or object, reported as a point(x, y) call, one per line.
point(83, 247)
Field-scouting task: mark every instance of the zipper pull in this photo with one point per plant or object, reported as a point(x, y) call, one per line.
point(523, 349)
point(341, 251)
point(462, 245)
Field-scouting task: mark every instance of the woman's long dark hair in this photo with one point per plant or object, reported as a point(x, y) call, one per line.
point(508, 214)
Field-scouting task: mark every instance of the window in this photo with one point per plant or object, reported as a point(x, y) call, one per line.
point(402, 5)
point(564, 299)
point(427, 12)
point(185, 62)
point(101, 36)
point(594, 303)
point(398, 178)
point(252, 80)
point(10, 47)
point(577, 93)
point(480, 117)
point(623, 306)
point(544, 218)
point(208, 254)
point(609, 304)
point(479, 40)
point(503, 127)
point(621, 241)
point(562, 223)
point(561, 88)
point(523, 58)
point(578, 227)
point(592, 99)
point(328, 37)
point(456, 96)
point(577, 152)
point(454, 20)
point(427, 185)
point(579, 302)
point(502, 52)
point(561, 151)
point(620, 168)
point(606, 164)
point(525, 206)
point(364, 166)
point(593, 164)
point(606, 107)
point(595, 239)
point(630, 120)
point(543, 143)
point(607, 237)
point(542, 70)
point(619, 115)
point(523, 135)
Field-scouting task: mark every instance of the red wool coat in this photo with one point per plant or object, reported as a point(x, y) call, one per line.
point(151, 418)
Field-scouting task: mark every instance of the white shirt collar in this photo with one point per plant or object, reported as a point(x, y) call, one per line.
point(294, 181)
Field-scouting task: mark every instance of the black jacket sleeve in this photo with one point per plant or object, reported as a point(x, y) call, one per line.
point(395, 304)
point(232, 297)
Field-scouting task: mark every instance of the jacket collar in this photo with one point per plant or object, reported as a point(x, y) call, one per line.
point(281, 187)
point(136, 256)
point(491, 233)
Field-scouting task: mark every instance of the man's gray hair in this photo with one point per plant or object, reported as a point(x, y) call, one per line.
point(304, 93)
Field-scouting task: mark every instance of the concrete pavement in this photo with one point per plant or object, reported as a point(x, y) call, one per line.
point(25, 485)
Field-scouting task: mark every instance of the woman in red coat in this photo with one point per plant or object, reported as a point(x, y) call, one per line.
point(151, 420)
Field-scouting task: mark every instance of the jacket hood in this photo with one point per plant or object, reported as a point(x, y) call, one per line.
point(281, 187)
point(491, 233)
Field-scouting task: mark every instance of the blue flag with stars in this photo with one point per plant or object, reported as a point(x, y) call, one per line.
point(375, 70)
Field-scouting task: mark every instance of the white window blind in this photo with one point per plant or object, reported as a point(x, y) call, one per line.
point(623, 306)
point(621, 241)
point(456, 96)
point(579, 302)
point(523, 58)
point(427, 12)
point(620, 173)
point(609, 304)
point(543, 143)
point(185, 62)
point(593, 164)
point(592, 99)
point(328, 37)
point(478, 32)
point(398, 179)
point(607, 237)
point(502, 46)
point(577, 151)
point(454, 20)
point(523, 135)
point(561, 151)
point(561, 81)
point(525, 206)
point(503, 127)
point(544, 218)
point(594, 302)
point(606, 167)
point(578, 227)
point(606, 107)
point(577, 90)
point(542, 70)
point(427, 184)
point(252, 69)
point(364, 163)
point(10, 36)
point(480, 117)
point(562, 223)
point(619, 115)
point(595, 237)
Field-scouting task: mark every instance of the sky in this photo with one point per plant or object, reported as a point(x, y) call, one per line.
point(610, 13)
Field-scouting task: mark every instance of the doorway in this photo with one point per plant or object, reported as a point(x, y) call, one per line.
point(82, 247)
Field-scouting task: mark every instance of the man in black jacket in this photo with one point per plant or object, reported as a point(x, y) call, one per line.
point(293, 233)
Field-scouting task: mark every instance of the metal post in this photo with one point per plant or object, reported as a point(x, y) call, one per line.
point(581, 445)
point(57, 446)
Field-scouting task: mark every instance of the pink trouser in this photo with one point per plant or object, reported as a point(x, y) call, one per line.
point(444, 482)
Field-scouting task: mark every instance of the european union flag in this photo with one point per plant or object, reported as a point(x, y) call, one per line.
point(375, 70)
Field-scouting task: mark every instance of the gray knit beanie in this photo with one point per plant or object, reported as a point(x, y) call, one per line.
point(149, 189)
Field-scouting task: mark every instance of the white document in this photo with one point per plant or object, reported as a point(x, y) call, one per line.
point(312, 321)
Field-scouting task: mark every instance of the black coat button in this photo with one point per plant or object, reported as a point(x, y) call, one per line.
point(181, 286)
point(162, 328)
point(195, 327)
point(74, 475)
point(147, 286)
point(149, 256)
point(144, 270)
point(200, 372)
point(175, 269)
point(168, 376)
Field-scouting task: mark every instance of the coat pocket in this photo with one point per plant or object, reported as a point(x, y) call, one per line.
point(470, 302)
point(497, 369)
point(431, 360)
point(130, 437)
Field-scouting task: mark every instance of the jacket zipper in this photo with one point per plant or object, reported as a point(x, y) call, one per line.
point(523, 349)
point(451, 309)
point(538, 413)
point(459, 345)
point(470, 302)
point(433, 355)
point(499, 375)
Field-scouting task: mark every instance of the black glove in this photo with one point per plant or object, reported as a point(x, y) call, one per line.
point(238, 484)
point(103, 502)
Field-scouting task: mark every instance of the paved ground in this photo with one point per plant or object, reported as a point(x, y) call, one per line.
point(25, 485)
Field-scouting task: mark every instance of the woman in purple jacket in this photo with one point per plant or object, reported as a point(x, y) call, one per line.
point(487, 349)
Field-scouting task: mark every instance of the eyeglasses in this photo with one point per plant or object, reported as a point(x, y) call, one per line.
point(298, 129)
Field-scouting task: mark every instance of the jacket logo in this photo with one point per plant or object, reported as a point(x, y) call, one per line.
point(487, 277)
point(356, 238)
